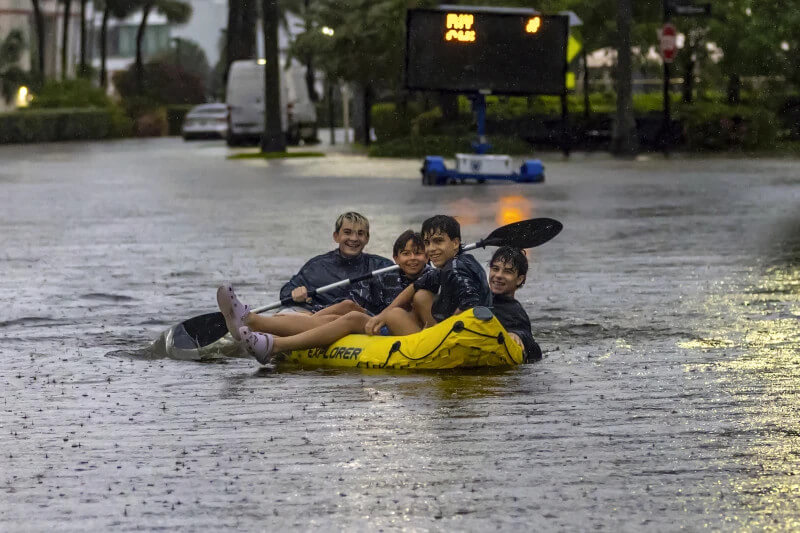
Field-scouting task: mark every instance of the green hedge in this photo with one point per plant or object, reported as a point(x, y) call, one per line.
point(47, 125)
point(716, 126)
point(176, 114)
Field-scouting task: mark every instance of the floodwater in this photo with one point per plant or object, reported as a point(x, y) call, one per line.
point(668, 310)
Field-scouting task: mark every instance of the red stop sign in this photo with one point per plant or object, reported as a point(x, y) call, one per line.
point(668, 42)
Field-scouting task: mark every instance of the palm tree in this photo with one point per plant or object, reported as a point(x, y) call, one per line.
point(240, 37)
point(118, 9)
point(11, 75)
point(65, 37)
point(38, 20)
point(176, 12)
point(82, 66)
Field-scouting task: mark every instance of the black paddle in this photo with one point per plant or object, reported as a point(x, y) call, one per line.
point(206, 329)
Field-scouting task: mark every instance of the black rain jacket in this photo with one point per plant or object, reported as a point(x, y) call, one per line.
point(329, 268)
point(460, 284)
point(513, 317)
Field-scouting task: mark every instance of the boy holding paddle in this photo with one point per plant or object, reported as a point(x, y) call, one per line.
point(351, 233)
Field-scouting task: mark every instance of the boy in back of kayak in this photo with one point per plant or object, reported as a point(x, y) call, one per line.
point(508, 270)
point(456, 284)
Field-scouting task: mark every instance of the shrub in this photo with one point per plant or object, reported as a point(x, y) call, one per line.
point(428, 122)
point(162, 84)
point(716, 126)
point(46, 125)
point(389, 122)
point(151, 123)
point(175, 115)
point(78, 93)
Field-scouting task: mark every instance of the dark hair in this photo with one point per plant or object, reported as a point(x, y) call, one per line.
point(444, 223)
point(514, 256)
point(402, 240)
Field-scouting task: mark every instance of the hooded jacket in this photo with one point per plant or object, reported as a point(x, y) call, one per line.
point(329, 268)
point(513, 317)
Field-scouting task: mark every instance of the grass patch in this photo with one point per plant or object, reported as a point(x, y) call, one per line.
point(275, 155)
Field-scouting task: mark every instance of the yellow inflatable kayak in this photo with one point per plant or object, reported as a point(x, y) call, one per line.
point(472, 339)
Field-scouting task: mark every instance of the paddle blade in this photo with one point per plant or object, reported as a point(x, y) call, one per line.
point(524, 234)
point(199, 331)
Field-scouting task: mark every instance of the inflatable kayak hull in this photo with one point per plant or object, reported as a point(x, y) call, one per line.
point(472, 339)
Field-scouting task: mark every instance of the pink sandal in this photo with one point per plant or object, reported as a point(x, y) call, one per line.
point(232, 309)
point(259, 345)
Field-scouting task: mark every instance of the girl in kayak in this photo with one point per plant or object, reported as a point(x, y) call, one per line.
point(257, 331)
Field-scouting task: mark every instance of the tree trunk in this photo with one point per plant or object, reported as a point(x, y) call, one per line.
point(734, 89)
point(586, 104)
point(310, 79)
point(83, 68)
point(39, 22)
point(65, 38)
point(139, 42)
point(623, 141)
point(312, 90)
point(240, 38)
point(104, 48)
point(688, 78)
point(273, 138)
point(448, 103)
point(361, 113)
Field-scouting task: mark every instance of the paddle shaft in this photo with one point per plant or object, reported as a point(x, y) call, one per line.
point(343, 283)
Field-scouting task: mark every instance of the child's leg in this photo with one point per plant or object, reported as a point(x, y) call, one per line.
point(422, 304)
point(324, 335)
point(288, 324)
point(340, 308)
point(401, 322)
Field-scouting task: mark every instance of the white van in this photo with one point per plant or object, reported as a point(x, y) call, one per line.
point(245, 100)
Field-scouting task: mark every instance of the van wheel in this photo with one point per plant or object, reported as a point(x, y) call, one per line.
point(232, 140)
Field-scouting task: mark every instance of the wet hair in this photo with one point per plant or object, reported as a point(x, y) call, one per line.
point(513, 256)
point(402, 240)
point(355, 218)
point(444, 223)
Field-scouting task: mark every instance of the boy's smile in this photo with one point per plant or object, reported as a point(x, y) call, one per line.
point(440, 248)
point(411, 259)
point(503, 278)
point(351, 238)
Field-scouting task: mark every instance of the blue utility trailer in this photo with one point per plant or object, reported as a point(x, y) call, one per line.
point(480, 166)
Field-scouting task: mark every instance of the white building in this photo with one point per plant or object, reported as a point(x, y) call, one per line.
point(18, 14)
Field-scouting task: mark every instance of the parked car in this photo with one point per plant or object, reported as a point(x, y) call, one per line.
point(206, 121)
point(245, 99)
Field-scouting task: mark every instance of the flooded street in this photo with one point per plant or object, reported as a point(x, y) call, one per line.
point(668, 311)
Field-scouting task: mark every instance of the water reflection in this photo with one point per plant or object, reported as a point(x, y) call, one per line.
point(757, 366)
point(513, 208)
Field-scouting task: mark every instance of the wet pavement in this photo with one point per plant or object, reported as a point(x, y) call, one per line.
point(668, 310)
